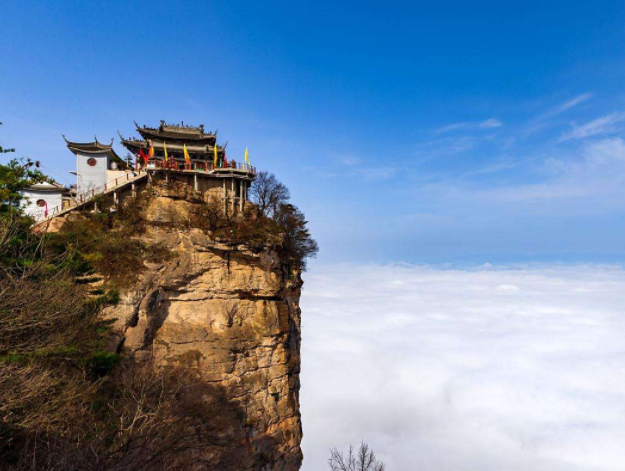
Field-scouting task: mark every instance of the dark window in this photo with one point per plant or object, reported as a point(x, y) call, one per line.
point(92, 162)
point(41, 203)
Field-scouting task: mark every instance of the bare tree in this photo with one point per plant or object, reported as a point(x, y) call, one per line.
point(268, 194)
point(362, 460)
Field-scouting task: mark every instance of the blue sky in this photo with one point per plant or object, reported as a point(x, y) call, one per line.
point(407, 131)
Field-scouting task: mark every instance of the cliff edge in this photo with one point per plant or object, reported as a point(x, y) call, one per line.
point(229, 314)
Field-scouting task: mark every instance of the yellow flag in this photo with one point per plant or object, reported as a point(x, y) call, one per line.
point(215, 160)
point(247, 156)
point(186, 153)
point(165, 151)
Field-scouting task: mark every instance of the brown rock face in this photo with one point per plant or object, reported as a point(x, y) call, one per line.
point(232, 316)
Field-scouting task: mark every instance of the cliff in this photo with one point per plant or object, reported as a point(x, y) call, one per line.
point(229, 314)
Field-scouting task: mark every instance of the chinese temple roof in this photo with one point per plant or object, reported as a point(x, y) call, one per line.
point(178, 133)
point(203, 152)
point(46, 186)
point(200, 145)
point(95, 147)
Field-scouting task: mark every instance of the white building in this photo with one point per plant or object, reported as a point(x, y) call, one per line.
point(96, 164)
point(41, 199)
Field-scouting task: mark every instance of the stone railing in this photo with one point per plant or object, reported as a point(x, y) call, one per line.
point(89, 195)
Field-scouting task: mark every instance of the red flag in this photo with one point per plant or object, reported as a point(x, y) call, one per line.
point(143, 156)
point(225, 160)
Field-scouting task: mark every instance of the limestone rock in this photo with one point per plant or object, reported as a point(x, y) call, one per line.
point(231, 315)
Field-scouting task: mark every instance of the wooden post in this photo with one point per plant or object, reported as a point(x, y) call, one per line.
point(195, 187)
point(241, 195)
point(225, 197)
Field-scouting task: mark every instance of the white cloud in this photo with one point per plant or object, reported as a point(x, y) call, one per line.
point(445, 370)
point(486, 124)
point(350, 160)
point(599, 170)
point(449, 145)
point(372, 174)
point(490, 123)
point(604, 125)
point(543, 121)
point(567, 105)
point(493, 168)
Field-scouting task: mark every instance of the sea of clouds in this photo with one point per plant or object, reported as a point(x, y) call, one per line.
point(483, 369)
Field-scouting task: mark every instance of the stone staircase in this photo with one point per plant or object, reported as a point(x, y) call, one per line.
point(109, 188)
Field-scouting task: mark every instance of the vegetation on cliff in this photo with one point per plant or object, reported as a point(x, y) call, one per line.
point(63, 404)
point(270, 220)
point(66, 401)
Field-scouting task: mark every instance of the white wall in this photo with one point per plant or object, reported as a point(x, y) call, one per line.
point(113, 174)
point(90, 178)
point(29, 203)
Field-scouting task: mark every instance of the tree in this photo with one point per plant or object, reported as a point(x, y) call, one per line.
point(17, 242)
point(14, 177)
point(4, 151)
point(362, 460)
point(271, 198)
point(268, 194)
point(298, 245)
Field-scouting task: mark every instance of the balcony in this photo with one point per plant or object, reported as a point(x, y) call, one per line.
point(196, 166)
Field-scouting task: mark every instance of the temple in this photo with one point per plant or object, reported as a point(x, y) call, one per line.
point(96, 164)
point(173, 138)
point(168, 152)
point(206, 168)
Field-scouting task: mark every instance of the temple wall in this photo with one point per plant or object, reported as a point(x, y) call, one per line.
point(31, 197)
point(90, 177)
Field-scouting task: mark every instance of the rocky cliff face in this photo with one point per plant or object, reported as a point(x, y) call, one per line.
point(232, 316)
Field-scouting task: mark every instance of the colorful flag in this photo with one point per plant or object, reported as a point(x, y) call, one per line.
point(216, 158)
point(151, 151)
point(186, 153)
point(225, 160)
point(247, 157)
point(165, 151)
point(143, 156)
